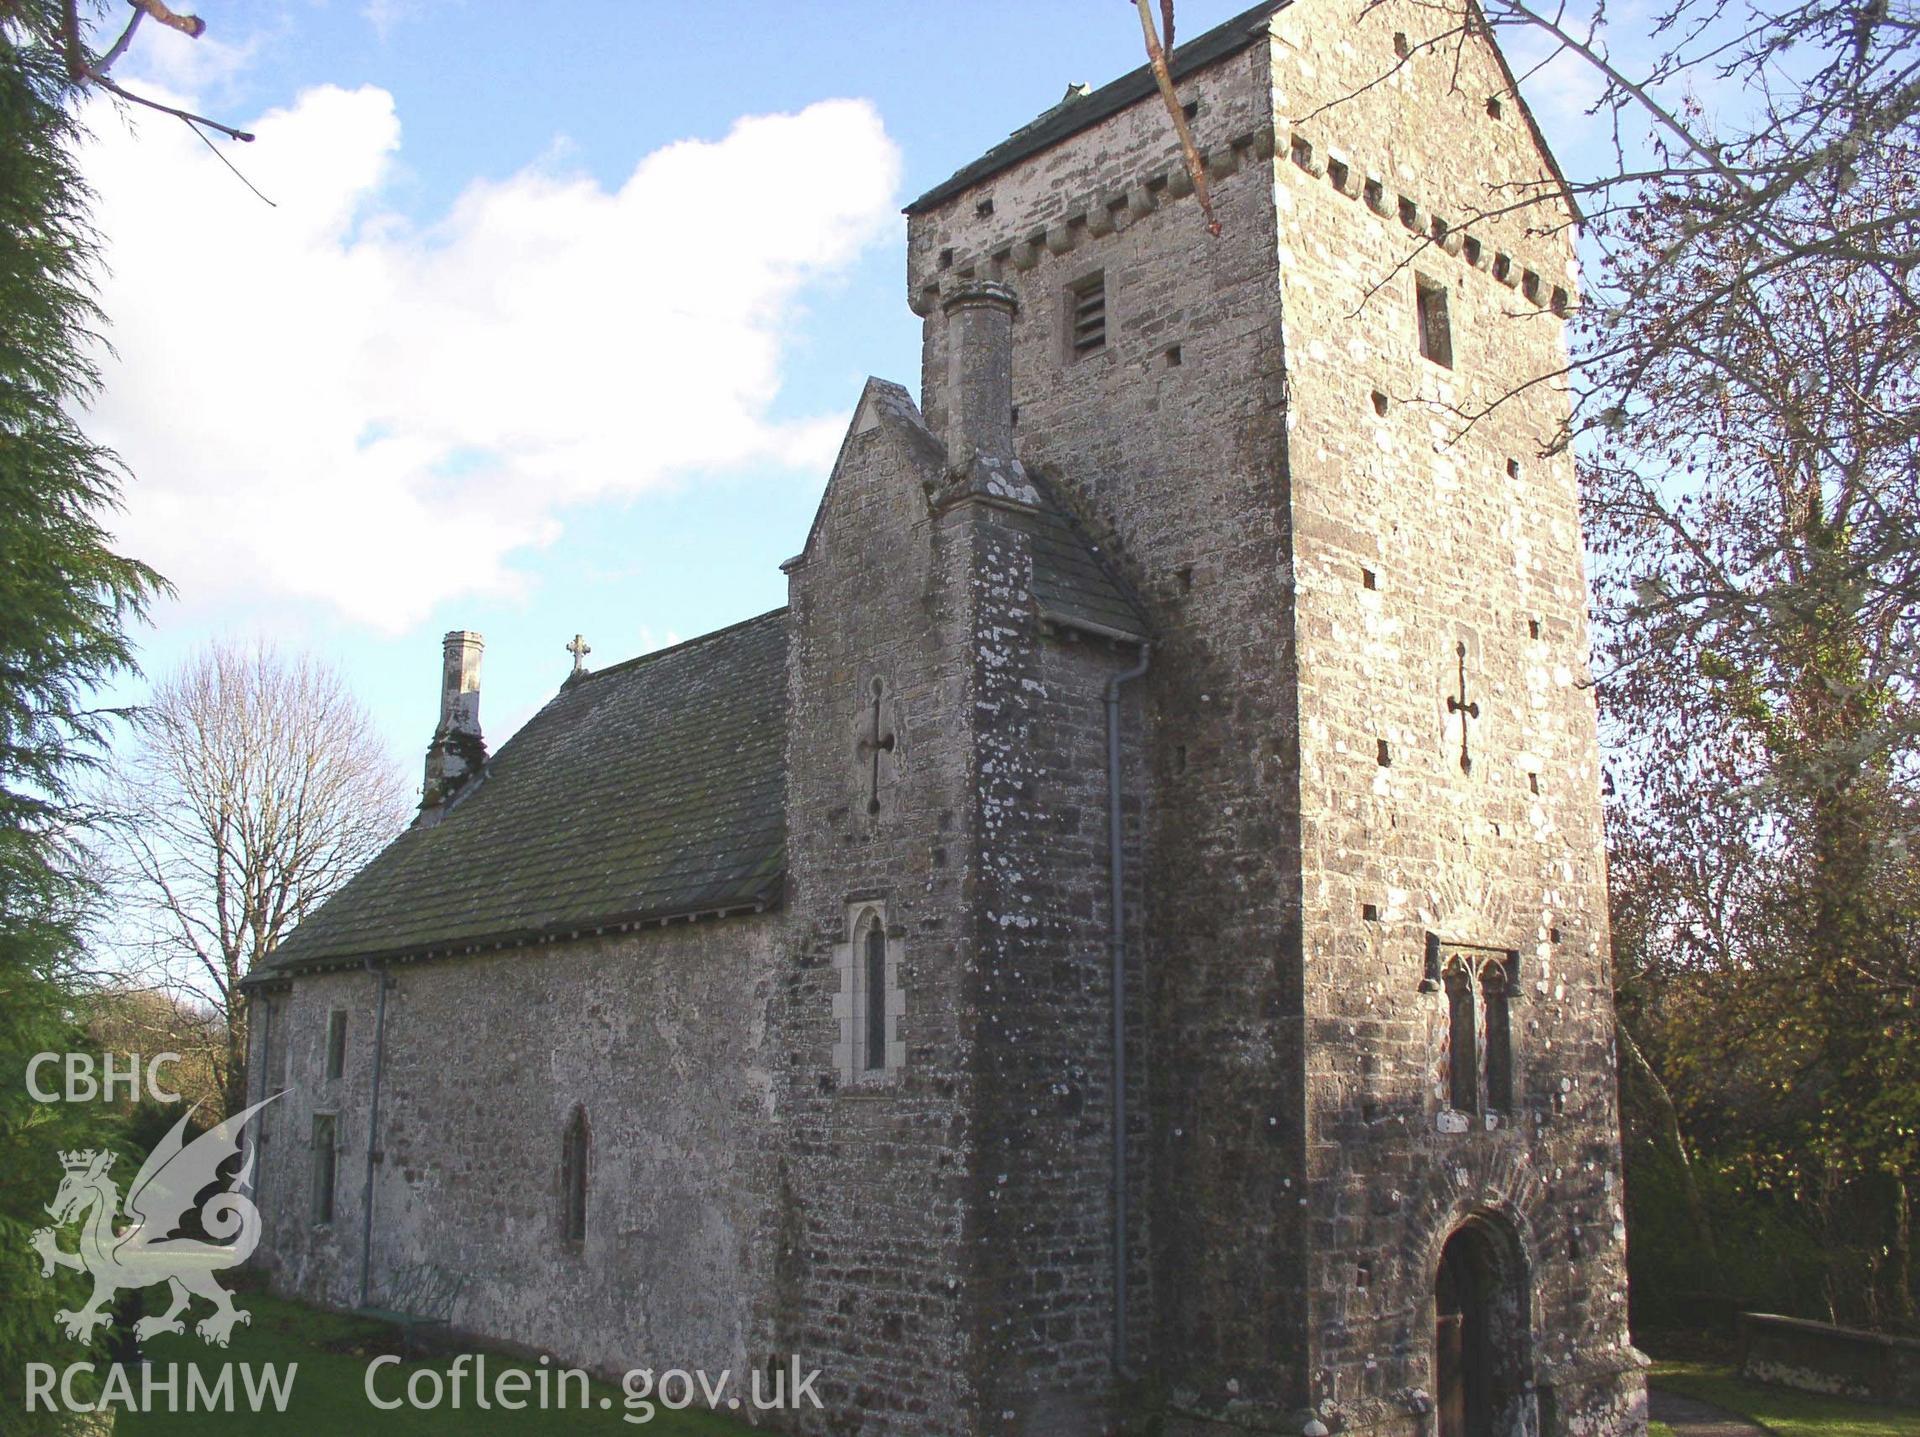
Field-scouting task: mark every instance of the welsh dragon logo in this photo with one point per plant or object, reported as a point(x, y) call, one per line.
point(145, 1253)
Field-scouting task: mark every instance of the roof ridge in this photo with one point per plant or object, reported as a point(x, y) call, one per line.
point(653, 654)
point(1069, 117)
point(663, 796)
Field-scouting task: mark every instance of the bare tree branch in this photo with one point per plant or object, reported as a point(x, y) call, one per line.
point(1163, 77)
point(258, 787)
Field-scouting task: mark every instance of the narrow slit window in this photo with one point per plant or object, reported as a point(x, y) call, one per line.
point(573, 1177)
point(1493, 993)
point(325, 1163)
point(1463, 1058)
point(876, 985)
point(336, 1044)
point(1087, 316)
point(1436, 331)
point(870, 1003)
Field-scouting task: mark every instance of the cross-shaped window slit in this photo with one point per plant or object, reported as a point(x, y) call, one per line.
point(876, 743)
point(1465, 709)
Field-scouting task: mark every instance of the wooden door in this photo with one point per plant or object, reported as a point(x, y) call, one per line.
point(1463, 1354)
point(1449, 1368)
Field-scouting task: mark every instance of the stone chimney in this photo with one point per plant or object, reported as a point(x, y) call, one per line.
point(457, 751)
point(980, 455)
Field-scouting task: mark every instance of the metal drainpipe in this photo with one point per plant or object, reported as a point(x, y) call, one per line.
point(373, 1126)
point(266, 1081)
point(1117, 949)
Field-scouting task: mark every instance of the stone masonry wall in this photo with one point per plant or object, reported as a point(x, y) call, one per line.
point(1416, 537)
point(1044, 1107)
point(1170, 441)
point(1284, 478)
point(872, 1181)
point(659, 1035)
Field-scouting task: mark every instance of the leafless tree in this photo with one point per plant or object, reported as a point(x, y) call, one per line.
point(1743, 123)
point(257, 785)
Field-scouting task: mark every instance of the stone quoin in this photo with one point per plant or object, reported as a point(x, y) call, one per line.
point(758, 998)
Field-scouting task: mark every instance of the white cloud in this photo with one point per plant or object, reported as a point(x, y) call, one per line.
point(164, 58)
point(322, 401)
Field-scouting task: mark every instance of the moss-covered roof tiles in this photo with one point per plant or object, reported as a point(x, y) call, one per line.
point(652, 789)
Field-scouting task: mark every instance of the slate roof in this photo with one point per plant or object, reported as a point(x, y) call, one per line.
point(1072, 584)
point(1072, 116)
point(652, 789)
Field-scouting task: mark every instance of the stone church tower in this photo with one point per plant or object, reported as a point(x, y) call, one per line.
point(1186, 635)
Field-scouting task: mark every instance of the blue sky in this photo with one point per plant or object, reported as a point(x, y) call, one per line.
point(557, 320)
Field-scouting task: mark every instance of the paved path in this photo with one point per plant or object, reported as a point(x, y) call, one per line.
point(1690, 1417)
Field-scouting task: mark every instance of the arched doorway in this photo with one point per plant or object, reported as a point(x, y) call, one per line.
point(1480, 1335)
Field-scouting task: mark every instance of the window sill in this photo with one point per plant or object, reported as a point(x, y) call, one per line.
point(1454, 1121)
point(869, 1088)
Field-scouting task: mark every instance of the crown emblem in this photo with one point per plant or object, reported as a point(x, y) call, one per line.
point(81, 1159)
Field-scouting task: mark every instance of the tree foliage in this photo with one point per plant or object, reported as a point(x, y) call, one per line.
point(1752, 505)
point(132, 1021)
point(65, 602)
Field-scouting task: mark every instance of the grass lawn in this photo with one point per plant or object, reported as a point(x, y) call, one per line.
point(1788, 1413)
point(329, 1395)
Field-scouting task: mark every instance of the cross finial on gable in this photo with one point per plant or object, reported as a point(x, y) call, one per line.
point(579, 648)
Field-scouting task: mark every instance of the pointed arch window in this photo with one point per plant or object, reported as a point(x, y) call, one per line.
point(1499, 1057)
point(574, 1149)
point(874, 975)
point(1463, 1040)
point(1478, 982)
point(870, 1002)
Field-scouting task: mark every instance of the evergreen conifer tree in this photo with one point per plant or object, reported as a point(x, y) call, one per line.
point(65, 602)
